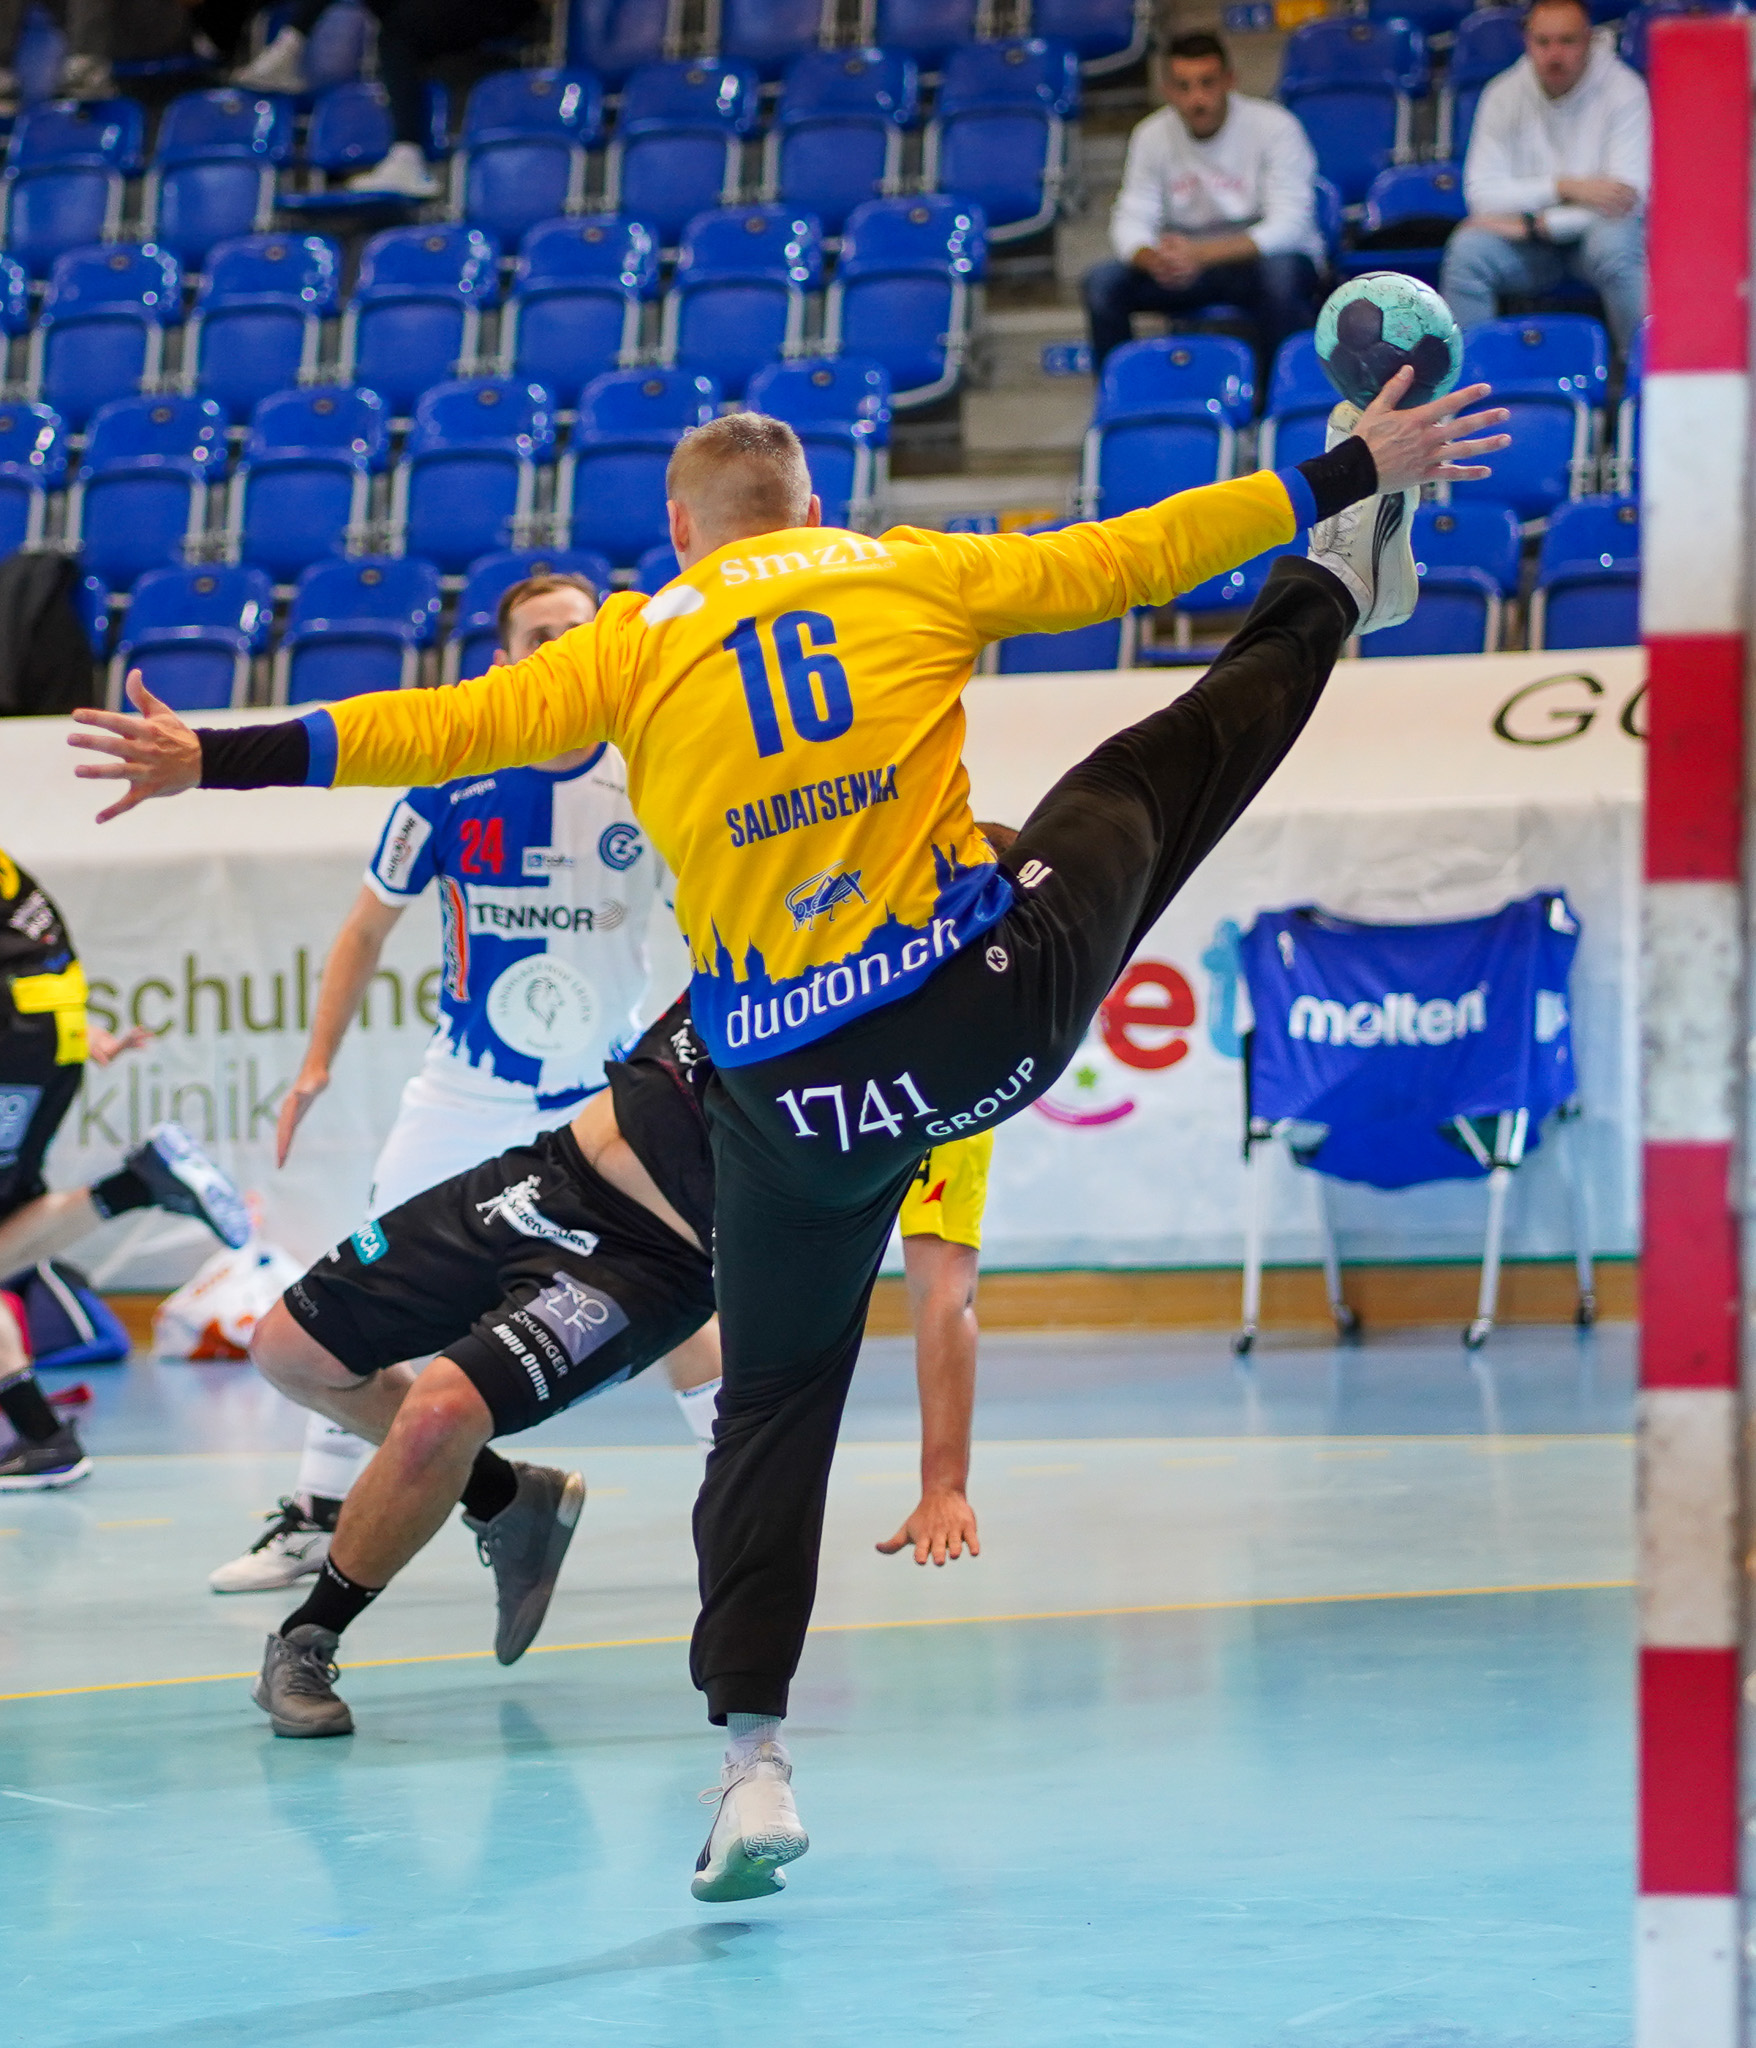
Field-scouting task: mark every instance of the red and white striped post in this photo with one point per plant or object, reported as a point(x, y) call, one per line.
point(1694, 1364)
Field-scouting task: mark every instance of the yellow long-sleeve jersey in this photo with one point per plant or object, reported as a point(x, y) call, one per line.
point(790, 712)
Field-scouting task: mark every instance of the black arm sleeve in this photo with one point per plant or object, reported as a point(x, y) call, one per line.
point(255, 756)
point(1342, 477)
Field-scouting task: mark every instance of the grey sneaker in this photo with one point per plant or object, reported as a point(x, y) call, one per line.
point(1369, 545)
point(755, 1830)
point(524, 1544)
point(59, 1460)
point(296, 1688)
point(182, 1178)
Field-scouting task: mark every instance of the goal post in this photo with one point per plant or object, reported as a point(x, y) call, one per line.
point(1697, 1360)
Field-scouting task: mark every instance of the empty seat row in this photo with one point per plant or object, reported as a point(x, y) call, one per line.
point(352, 626)
point(616, 37)
point(901, 294)
point(464, 483)
point(1168, 413)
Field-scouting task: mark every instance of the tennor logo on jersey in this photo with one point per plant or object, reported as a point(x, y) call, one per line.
point(1390, 1020)
point(404, 837)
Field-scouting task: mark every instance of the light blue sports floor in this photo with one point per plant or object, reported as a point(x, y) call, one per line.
point(1289, 1706)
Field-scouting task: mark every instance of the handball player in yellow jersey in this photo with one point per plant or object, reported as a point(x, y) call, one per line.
point(868, 979)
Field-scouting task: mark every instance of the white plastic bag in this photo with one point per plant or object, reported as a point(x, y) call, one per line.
point(212, 1315)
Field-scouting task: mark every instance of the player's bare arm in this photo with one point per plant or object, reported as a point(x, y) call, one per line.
point(348, 970)
point(941, 1278)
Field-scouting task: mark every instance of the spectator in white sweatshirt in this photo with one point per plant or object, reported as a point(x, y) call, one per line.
point(1216, 207)
point(1556, 177)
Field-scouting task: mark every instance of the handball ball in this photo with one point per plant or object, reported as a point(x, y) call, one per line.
point(1372, 325)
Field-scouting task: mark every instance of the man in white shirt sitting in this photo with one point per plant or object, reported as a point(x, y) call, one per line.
point(1215, 208)
point(1559, 162)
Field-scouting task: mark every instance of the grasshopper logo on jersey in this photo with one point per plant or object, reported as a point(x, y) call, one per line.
point(822, 896)
point(620, 846)
point(516, 1207)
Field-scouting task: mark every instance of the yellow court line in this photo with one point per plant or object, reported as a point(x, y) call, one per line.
point(838, 1628)
point(982, 1443)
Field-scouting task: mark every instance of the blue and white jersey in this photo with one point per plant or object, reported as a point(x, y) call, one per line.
point(547, 887)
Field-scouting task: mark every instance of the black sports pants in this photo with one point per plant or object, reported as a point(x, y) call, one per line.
point(814, 1150)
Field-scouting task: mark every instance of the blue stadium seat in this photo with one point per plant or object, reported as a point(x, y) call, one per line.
point(657, 567)
point(192, 634)
point(737, 300)
point(1468, 557)
point(1105, 35)
point(416, 310)
point(337, 48)
point(466, 484)
point(1300, 400)
point(213, 170)
point(65, 169)
point(521, 157)
point(678, 142)
point(258, 318)
point(1352, 84)
point(350, 131)
point(1431, 17)
point(1109, 645)
point(1550, 371)
point(901, 293)
point(1623, 465)
point(929, 30)
point(837, 137)
point(1487, 42)
point(769, 33)
point(140, 500)
point(1588, 577)
point(1411, 210)
point(33, 462)
point(305, 477)
point(101, 333)
point(1631, 43)
point(476, 633)
point(615, 37)
point(1166, 417)
point(841, 412)
point(999, 132)
point(357, 626)
point(574, 309)
point(610, 494)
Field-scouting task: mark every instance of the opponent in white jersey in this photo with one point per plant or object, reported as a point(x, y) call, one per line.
point(548, 894)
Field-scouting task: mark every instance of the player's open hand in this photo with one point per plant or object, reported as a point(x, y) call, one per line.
point(942, 1525)
point(1430, 444)
point(156, 754)
point(294, 1103)
point(101, 1046)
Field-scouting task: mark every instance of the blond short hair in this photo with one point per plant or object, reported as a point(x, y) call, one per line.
point(742, 473)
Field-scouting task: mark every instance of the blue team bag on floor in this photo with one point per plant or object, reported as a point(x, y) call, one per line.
point(69, 1323)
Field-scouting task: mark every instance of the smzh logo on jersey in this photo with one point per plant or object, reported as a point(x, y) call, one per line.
point(620, 846)
point(822, 896)
point(516, 1206)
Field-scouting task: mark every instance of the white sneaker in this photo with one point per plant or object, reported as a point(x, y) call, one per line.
point(1369, 546)
point(278, 68)
point(403, 173)
point(756, 1829)
point(293, 1548)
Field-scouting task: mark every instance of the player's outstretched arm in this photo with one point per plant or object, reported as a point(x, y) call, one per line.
point(351, 963)
point(942, 1291)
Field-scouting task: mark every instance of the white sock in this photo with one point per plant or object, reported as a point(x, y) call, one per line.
point(748, 1733)
point(331, 1460)
point(699, 1405)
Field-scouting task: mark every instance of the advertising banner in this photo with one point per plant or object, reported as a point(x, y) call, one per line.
point(1422, 789)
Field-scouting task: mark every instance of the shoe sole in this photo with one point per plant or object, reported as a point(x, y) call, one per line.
point(306, 1571)
point(752, 1868)
point(297, 1731)
point(1394, 531)
point(511, 1642)
point(46, 1482)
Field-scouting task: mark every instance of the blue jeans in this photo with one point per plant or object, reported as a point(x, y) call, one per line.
point(1278, 292)
point(1480, 267)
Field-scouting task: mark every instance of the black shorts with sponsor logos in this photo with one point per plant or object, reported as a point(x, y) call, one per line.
point(36, 1093)
point(530, 1272)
